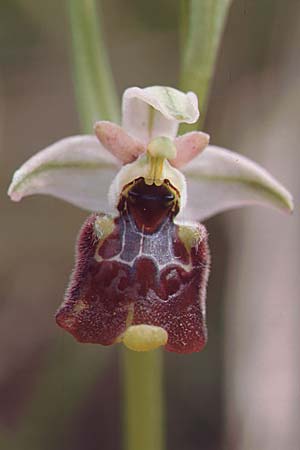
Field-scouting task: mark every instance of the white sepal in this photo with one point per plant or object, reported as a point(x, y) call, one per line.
point(157, 111)
point(220, 179)
point(77, 169)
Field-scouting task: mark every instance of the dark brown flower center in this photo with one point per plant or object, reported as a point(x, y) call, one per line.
point(149, 205)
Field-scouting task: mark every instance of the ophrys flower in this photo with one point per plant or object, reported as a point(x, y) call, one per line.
point(142, 262)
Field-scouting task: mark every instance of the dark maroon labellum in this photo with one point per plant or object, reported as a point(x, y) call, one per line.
point(139, 268)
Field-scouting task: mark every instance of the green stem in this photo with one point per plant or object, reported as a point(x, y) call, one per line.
point(94, 84)
point(202, 24)
point(143, 414)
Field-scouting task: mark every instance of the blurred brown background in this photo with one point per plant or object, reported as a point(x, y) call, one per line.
point(242, 392)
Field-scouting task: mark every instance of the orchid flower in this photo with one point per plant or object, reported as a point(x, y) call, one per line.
point(142, 257)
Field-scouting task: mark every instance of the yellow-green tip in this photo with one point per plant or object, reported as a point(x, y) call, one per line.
point(142, 338)
point(162, 147)
point(159, 149)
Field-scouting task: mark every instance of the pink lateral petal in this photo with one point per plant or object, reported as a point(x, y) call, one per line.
point(189, 146)
point(118, 142)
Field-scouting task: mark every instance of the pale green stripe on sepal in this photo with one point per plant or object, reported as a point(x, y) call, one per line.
point(220, 179)
point(77, 169)
point(21, 180)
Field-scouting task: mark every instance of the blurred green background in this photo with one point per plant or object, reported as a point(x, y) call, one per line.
point(242, 392)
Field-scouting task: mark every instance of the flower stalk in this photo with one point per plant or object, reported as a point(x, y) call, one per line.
point(143, 400)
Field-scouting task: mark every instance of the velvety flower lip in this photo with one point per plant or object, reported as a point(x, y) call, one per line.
point(80, 169)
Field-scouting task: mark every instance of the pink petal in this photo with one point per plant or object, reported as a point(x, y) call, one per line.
point(188, 146)
point(118, 142)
